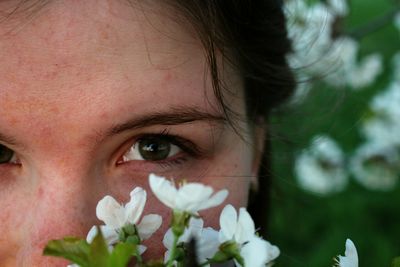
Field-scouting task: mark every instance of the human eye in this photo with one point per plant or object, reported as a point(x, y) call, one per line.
point(163, 149)
point(7, 155)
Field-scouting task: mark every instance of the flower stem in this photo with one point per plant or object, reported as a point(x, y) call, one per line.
point(173, 251)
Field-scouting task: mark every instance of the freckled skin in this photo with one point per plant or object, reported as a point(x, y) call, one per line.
point(75, 70)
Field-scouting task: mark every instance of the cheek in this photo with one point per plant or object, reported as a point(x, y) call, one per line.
point(15, 211)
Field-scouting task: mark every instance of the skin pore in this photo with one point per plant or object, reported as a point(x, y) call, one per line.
point(81, 83)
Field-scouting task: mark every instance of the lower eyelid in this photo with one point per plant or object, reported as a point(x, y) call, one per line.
point(177, 162)
point(15, 160)
point(169, 163)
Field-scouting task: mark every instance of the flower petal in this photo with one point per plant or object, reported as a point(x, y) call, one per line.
point(258, 252)
point(215, 200)
point(168, 239)
point(91, 234)
point(142, 249)
point(166, 256)
point(351, 257)
point(134, 208)
point(195, 226)
point(207, 245)
point(164, 190)
point(273, 252)
point(110, 212)
point(228, 222)
point(193, 230)
point(245, 228)
point(149, 224)
point(109, 234)
point(191, 196)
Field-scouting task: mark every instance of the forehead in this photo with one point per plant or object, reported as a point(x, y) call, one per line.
point(79, 54)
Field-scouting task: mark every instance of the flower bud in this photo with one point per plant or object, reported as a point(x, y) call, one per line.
point(227, 251)
point(122, 236)
point(180, 220)
point(129, 229)
point(133, 240)
point(220, 257)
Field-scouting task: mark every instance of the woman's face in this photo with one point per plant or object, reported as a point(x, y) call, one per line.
point(81, 84)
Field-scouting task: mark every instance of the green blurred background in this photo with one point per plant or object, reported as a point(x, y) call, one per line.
point(309, 229)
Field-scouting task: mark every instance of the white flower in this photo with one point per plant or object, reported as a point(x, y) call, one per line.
point(320, 169)
point(376, 166)
point(206, 240)
point(255, 251)
point(116, 216)
point(397, 21)
point(190, 197)
point(350, 258)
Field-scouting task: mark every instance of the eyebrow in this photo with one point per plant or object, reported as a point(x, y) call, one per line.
point(175, 116)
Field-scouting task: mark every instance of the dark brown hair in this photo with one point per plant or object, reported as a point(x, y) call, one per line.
point(251, 35)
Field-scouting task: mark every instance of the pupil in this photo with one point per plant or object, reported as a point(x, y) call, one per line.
point(6, 154)
point(154, 148)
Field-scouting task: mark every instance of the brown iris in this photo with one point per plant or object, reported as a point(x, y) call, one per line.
point(6, 154)
point(154, 148)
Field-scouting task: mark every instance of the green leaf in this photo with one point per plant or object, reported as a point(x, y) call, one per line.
point(74, 249)
point(121, 255)
point(396, 262)
point(98, 254)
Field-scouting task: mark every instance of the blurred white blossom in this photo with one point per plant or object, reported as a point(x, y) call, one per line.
point(387, 103)
point(338, 7)
point(397, 21)
point(318, 53)
point(381, 130)
point(365, 72)
point(350, 258)
point(396, 66)
point(384, 126)
point(321, 168)
point(376, 166)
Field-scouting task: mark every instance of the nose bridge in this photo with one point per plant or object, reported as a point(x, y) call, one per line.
point(65, 197)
